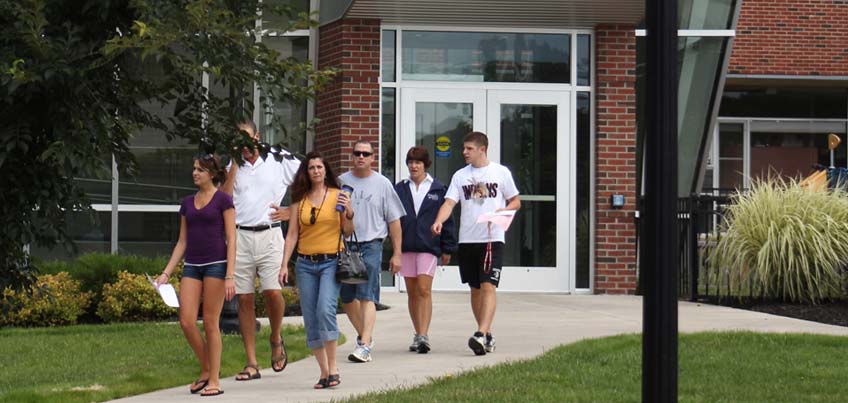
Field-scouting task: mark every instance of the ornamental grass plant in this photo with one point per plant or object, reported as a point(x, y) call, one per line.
point(785, 241)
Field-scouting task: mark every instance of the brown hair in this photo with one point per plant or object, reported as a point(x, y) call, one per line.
point(212, 164)
point(301, 184)
point(478, 138)
point(419, 153)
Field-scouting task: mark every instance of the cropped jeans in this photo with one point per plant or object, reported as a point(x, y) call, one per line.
point(319, 293)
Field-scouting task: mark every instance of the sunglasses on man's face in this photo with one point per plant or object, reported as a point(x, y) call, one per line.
point(362, 154)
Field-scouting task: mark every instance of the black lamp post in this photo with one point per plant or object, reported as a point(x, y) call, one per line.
point(658, 253)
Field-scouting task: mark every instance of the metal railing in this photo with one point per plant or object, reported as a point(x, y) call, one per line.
point(698, 226)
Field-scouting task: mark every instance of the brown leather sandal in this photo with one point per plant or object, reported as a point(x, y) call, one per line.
point(277, 359)
point(245, 374)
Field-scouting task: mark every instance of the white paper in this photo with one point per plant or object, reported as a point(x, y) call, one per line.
point(167, 292)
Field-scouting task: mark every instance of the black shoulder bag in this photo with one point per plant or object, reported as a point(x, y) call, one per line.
point(351, 269)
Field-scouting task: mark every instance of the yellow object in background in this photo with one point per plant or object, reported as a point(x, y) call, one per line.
point(816, 181)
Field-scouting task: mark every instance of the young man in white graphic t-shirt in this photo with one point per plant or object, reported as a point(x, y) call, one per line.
point(481, 187)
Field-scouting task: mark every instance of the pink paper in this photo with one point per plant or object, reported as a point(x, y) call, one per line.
point(502, 218)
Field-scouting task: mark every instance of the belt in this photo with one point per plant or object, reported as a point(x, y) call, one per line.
point(258, 228)
point(318, 257)
point(380, 240)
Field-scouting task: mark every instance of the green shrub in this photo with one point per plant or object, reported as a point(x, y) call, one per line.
point(97, 269)
point(132, 298)
point(62, 304)
point(290, 295)
point(781, 240)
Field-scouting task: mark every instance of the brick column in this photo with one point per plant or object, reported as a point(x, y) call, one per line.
point(348, 108)
point(615, 159)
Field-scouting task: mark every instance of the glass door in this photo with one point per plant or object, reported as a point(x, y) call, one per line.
point(438, 119)
point(529, 133)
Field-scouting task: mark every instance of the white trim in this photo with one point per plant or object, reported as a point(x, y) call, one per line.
point(138, 208)
point(788, 77)
point(696, 32)
point(462, 28)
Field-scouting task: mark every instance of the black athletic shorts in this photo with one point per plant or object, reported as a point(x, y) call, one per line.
point(471, 255)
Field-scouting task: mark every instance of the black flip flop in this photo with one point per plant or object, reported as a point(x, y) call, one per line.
point(333, 378)
point(201, 383)
point(218, 391)
point(321, 384)
point(247, 373)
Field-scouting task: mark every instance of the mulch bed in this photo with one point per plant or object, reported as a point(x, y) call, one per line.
point(830, 312)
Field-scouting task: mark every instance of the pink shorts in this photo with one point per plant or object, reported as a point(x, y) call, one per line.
point(414, 264)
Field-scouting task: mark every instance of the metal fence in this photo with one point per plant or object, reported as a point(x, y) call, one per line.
point(698, 221)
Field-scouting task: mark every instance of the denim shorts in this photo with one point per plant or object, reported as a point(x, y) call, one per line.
point(214, 270)
point(372, 256)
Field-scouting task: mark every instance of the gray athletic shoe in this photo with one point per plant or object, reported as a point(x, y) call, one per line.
point(414, 345)
point(361, 353)
point(423, 344)
point(477, 343)
point(490, 344)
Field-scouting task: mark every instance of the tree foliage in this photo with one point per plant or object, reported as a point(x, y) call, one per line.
point(80, 78)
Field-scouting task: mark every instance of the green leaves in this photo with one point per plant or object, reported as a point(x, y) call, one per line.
point(782, 240)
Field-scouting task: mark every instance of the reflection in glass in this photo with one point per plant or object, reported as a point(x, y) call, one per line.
point(699, 14)
point(583, 242)
point(90, 233)
point(486, 57)
point(584, 59)
point(444, 124)
point(285, 122)
point(387, 135)
point(792, 153)
point(148, 234)
point(164, 176)
point(532, 240)
point(767, 102)
point(731, 143)
point(388, 56)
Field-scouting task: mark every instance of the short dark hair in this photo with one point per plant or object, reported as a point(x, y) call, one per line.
point(249, 123)
point(478, 138)
point(366, 142)
point(212, 164)
point(419, 153)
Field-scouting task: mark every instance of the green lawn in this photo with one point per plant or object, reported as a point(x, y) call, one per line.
point(714, 367)
point(89, 363)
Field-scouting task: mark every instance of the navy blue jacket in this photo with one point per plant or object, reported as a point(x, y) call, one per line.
point(417, 236)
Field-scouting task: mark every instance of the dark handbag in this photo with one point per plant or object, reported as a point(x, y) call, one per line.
point(351, 268)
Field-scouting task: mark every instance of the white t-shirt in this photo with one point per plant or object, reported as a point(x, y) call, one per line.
point(479, 191)
point(419, 191)
point(260, 184)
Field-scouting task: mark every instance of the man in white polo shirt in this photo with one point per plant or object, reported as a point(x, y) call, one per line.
point(258, 188)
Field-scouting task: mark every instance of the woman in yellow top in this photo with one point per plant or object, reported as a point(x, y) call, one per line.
point(315, 228)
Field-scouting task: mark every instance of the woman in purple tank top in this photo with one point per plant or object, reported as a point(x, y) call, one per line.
point(208, 244)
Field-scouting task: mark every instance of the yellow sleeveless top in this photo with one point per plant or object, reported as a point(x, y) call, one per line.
point(323, 236)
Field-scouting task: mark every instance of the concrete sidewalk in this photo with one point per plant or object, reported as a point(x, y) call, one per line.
point(526, 325)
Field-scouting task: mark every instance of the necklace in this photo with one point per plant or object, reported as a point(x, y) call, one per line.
point(315, 212)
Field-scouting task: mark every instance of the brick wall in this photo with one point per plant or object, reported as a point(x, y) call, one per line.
point(791, 37)
point(349, 108)
point(615, 159)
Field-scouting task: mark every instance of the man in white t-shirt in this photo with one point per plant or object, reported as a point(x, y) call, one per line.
point(258, 188)
point(481, 187)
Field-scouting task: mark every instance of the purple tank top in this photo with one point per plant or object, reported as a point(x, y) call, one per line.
point(206, 240)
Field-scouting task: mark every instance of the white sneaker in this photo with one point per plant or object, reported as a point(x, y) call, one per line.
point(361, 353)
point(477, 343)
point(490, 344)
point(414, 345)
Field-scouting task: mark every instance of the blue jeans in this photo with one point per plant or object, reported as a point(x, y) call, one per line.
point(372, 256)
point(319, 293)
point(214, 270)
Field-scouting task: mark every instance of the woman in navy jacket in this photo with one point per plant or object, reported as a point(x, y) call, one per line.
point(422, 196)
